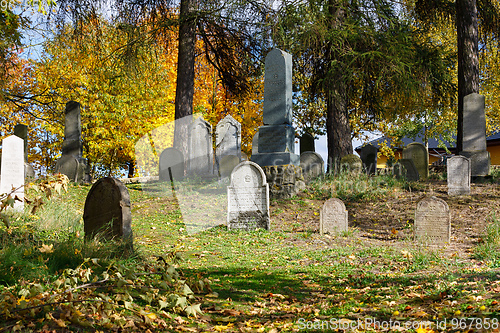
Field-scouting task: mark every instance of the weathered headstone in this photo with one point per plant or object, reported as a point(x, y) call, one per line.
point(107, 211)
point(200, 148)
point(306, 143)
point(72, 145)
point(368, 155)
point(228, 138)
point(21, 131)
point(227, 164)
point(248, 198)
point(277, 136)
point(351, 163)
point(474, 135)
point(312, 165)
point(333, 217)
point(420, 156)
point(12, 174)
point(458, 175)
point(406, 168)
point(432, 221)
point(171, 162)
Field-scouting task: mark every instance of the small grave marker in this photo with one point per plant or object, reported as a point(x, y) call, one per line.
point(172, 159)
point(458, 175)
point(333, 217)
point(418, 153)
point(432, 221)
point(312, 165)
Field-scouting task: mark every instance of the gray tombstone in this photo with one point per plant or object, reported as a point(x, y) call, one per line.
point(307, 143)
point(333, 217)
point(171, 162)
point(255, 143)
point(312, 165)
point(458, 175)
point(407, 169)
point(420, 156)
point(201, 148)
point(277, 136)
point(474, 135)
point(228, 138)
point(368, 155)
point(107, 211)
point(72, 145)
point(227, 164)
point(248, 198)
point(432, 221)
point(12, 174)
point(21, 131)
point(351, 163)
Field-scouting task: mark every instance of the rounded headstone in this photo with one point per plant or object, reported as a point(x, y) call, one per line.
point(171, 158)
point(333, 217)
point(312, 165)
point(351, 163)
point(420, 156)
point(107, 210)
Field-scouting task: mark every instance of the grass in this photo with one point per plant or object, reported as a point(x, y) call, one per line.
point(271, 279)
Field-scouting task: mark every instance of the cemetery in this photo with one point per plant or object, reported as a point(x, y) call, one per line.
point(149, 194)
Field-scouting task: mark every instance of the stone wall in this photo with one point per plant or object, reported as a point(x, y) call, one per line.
point(284, 181)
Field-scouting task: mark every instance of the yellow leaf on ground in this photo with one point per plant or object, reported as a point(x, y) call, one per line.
point(46, 248)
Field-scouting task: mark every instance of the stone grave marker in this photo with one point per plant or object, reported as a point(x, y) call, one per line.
point(228, 138)
point(432, 221)
point(420, 156)
point(458, 175)
point(333, 217)
point(200, 148)
point(21, 131)
point(227, 164)
point(312, 165)
point(172, 159)
point(248, 198)
point(407, 170)
point(255, 143)
point(368, 155)
point(12, 172)
point(474, 135)
point(107, 211)
point(306, 143)
point(351, 163)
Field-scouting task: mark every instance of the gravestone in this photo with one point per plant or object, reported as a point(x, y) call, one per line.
point(432, 221)
point(255, 143)
point(12, 172)
point(474, 135)
point(351, 163)
point(72, 145)
point(277, 136)
point(200, 148)
point(405, 168)
point(227, 164)
point(306, 143)
point(172, 159)
point(458, 175)
point(21, 131)
point(368, 155)
point(333, 217)
point(107, 211)
point(418, 153)
point(312, 165)
point(248, 198)
point(228, 138)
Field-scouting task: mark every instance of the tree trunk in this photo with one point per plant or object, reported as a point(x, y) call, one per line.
point(468, 59)
point(185, 74)
point(338, 129)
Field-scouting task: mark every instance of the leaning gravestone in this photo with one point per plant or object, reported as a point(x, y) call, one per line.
point(407, 169)
point(173, 160)
point(474, 135)
point(368, 155)
point(200, 148)
point(228, 138)
point(312, 165)
point(227, 165)
point(277, 136)
point(458, 175)
point(72, 145)
point(248, 198)
point(12, 174)
point(307, 143)
point(351, 163)
point(333, 217)
point(107, 211)
point(432, 221)
point(420, 156)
